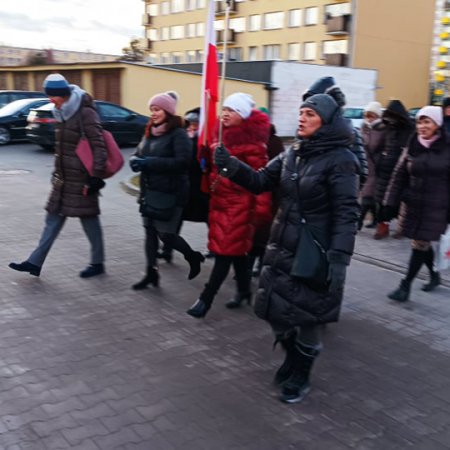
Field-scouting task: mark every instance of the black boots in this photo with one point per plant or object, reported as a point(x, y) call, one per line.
point(199, 309)
point(195, 260)
point(26, 267)
point(435, 281)
point(297, 386)
point(166, 255)
point(152, 277)
point(286, 369)
point(401, 294)
point(92, 270)
point(238, 299)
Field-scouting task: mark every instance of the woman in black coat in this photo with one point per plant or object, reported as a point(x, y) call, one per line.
point(421, 181)
point(163, 157)
point(318, 181)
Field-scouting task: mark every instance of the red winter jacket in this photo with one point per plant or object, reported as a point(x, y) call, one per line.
point(234, 211)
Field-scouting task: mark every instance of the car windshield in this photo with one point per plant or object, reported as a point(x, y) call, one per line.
point(353, 113)
point(13, 107)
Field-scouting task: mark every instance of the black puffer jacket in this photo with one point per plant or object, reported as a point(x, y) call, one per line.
point(421, 181)
point(318, 177)
point(399, 128)
point(167, 169)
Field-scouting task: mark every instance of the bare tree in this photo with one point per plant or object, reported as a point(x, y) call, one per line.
point(134, 52)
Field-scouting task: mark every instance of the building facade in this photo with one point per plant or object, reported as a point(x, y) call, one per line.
point(19, 56)
point(393, 37)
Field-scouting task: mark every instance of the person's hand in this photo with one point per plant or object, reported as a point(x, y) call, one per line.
point(388, 213)
point(94, 185)
point(137, 163)
point(222, 157)
point(336, 276)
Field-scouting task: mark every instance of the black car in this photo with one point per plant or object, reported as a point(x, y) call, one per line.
point(13, 118)
point(126, 126)
point(11, 96)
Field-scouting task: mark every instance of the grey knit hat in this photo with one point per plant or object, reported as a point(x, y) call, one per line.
point(323, 104)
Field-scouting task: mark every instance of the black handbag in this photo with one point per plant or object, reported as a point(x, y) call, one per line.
point(158, 205)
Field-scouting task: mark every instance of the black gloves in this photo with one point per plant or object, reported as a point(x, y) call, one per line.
point(336, 276)
point(222, 157)
point(388, 213)
point(94, 185)
point(138, 163)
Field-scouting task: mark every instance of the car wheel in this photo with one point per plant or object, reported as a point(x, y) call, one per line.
point(5, 137)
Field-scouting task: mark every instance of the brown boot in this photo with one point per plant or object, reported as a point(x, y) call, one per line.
point(382, 231)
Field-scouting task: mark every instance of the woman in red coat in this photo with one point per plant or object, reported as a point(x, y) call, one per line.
point(232, 209)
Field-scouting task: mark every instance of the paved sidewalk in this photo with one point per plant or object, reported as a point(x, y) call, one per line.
point(93, 365)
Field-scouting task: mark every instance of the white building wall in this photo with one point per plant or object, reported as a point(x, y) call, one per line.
point(292, 79)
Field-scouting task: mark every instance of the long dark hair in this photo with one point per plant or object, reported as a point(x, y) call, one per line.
point(172, 121)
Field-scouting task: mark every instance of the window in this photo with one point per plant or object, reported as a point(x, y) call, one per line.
point(152, 34)
point(106, 110)
point(295, 18)
point(312, 16)
point(190, 56)
point(338, 9)
point(219, 24)
point(152, 9)
point(201, 4)
point(254, 23)
point(165, 8)
point(271, 52)
point(165, 33)
point(199, 55)
point(164, 58)
point(238, 24)
point(309, 51)
point(200, 29)
point(176, 57)
point(177, 6)
point(253, 53)
point(294, 51)
point(152, 58)
point(235, 54)
point(191, 5)
point(273, 21)
point(190, 30)
point(338, 46)
point(177, 32)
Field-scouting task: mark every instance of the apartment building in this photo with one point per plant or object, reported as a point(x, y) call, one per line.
point(19, 56)
point(395, 37)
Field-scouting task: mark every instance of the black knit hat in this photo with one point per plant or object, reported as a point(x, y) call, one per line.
point(323, 104)
point(446, 102)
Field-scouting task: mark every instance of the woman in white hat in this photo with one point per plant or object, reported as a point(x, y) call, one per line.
point(421, 181)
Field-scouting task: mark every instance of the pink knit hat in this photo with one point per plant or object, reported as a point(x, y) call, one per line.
point(166, 101)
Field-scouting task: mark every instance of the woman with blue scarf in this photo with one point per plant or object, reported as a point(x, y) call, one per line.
point(74, 192)
point(318, 183)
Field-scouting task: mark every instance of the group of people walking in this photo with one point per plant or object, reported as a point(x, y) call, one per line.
point(304, 204)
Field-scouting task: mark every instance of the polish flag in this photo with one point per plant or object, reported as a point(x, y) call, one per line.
point(210, 87)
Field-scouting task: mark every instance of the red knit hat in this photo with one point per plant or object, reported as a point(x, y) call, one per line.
point(166, 101)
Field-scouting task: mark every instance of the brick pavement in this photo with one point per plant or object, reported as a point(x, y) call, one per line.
point(91, 364)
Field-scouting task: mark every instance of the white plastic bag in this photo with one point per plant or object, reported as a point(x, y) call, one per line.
point(443, 252)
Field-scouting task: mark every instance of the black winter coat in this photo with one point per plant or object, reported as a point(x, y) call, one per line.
point(358, 150)
point(167, 169)
point(317, 179)
point(421, 181)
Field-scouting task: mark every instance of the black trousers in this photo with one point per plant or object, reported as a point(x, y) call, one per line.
point(219, 273)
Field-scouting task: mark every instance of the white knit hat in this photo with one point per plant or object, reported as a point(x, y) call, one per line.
point(374, 107)
point(433, 112)
point(241, 103)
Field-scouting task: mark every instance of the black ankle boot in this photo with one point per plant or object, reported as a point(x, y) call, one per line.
point(401, 294)
point(195, 260)
point(435, 281)
point(167, 256)
point(199, 309)
point(152, 277)
point(298, 386)
point(238, 299)
point(26, 267)
point(92, 270)
point(286, 369)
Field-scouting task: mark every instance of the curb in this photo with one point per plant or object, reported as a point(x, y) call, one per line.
point(129, 187)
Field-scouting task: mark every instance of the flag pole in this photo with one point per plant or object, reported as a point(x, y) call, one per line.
point(224, 63)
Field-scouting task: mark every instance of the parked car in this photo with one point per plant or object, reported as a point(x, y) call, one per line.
point(11, 96)
point(355, 114)
point(126, 126)
point(13, 118)
point(412, 112)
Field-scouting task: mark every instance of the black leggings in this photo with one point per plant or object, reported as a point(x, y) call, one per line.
point(220, 270)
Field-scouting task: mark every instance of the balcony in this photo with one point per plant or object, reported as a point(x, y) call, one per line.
point(339, 25)
point(336, 59)
point(148, 44)
point(221, 8)
point(146, 19)
point(230, 35)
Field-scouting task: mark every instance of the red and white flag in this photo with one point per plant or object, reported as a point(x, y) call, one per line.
point(210, 85)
